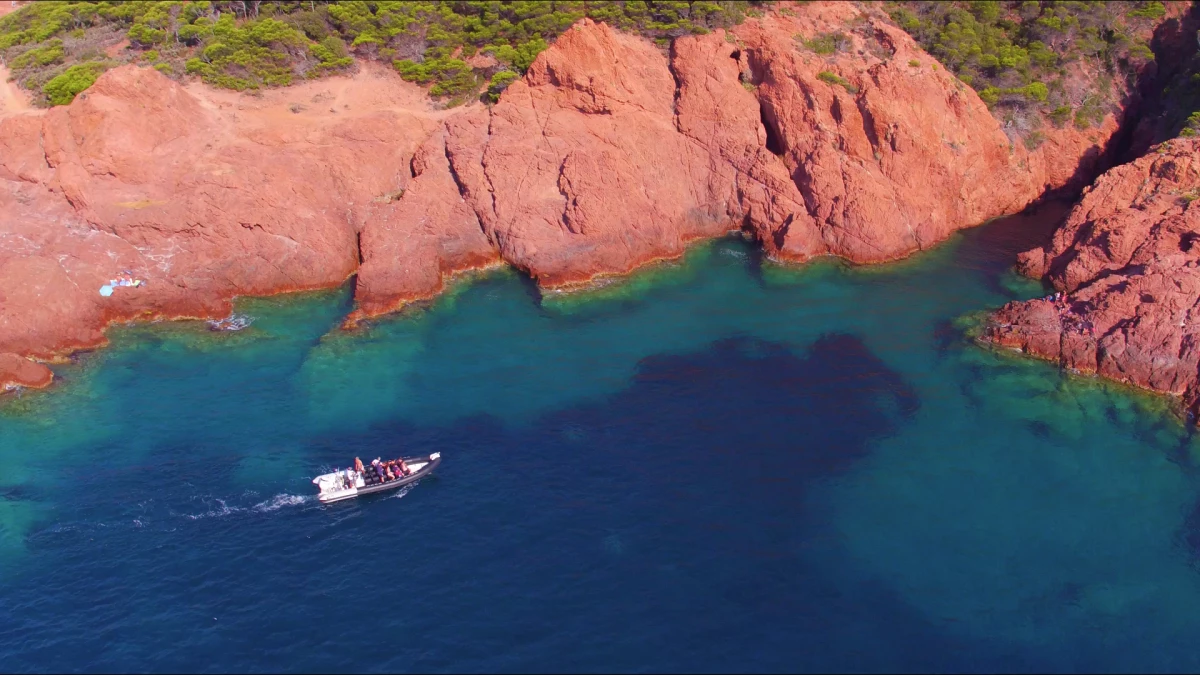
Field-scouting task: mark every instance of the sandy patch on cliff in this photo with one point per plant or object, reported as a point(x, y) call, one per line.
point(8, 6)
point(12, 99)
point(374, 88)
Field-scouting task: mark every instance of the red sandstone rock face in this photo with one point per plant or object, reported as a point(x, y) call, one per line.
point(17, 371)
point(608, 154)
point(582, 170)
point(1128, 261)
point(416, 239)
point(205, 195)
point(899, 156)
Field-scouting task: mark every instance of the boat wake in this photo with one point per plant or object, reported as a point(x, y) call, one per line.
point(222, 508)
point(404, 490)
point(158, 517)
point(280, 501)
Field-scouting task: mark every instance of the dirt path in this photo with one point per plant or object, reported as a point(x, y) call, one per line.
point(8, 6)
point(372, 89)
point(12, 99)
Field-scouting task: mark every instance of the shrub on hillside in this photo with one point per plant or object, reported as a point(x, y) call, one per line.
point(63, 88)
point(499, 83)
point(247, 45)
point(1016, 54)
point(834, 78)
point(826, 43)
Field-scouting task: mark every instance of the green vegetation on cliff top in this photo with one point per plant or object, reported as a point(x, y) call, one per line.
point(56, 47)
point(1060, 61)
point(1025, 57)
point(1180, 102)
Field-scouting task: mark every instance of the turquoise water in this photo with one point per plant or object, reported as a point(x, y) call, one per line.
point(715, 465)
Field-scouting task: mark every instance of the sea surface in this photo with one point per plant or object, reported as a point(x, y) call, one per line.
point(715, 465)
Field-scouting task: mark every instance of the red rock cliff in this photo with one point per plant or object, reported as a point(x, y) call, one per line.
point(607, 155)
point(1127, 262)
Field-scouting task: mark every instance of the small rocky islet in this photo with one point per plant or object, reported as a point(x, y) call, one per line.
point(817, 129)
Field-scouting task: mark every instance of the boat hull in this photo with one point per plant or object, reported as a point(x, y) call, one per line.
point(421, 467)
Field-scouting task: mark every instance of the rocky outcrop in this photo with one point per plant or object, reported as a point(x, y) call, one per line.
point(204, 195)
point(580, 170)
point(889, 152)
point(418, 237)
point(20, 372)
point(1127, 266)
point(609, 154)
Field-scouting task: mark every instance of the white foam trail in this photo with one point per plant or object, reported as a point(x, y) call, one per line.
point(279, 501)
point(403, 491)
point(145, 519)
point(273, 504)
point(224, 510)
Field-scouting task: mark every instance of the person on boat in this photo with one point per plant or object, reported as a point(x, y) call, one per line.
point(358, 465)
point(389, 474)
point(402, 467)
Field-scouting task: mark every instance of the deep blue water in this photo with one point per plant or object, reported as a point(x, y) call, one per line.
point(720, 465)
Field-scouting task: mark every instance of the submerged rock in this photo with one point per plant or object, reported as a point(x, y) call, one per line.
point(18, 371)
point(234, 322)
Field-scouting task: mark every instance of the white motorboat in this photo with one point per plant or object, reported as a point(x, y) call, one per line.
point(348, 483)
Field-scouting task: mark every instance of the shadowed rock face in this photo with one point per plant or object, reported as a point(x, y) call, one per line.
point(1128, 261)
point(609, 154)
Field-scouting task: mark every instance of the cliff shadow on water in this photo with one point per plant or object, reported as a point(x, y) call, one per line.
point(992, 248)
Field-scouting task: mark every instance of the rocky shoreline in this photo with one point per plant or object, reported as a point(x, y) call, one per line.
point(1126, 270)
point(606, 156)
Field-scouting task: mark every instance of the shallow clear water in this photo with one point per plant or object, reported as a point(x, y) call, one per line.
point(713, 466)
